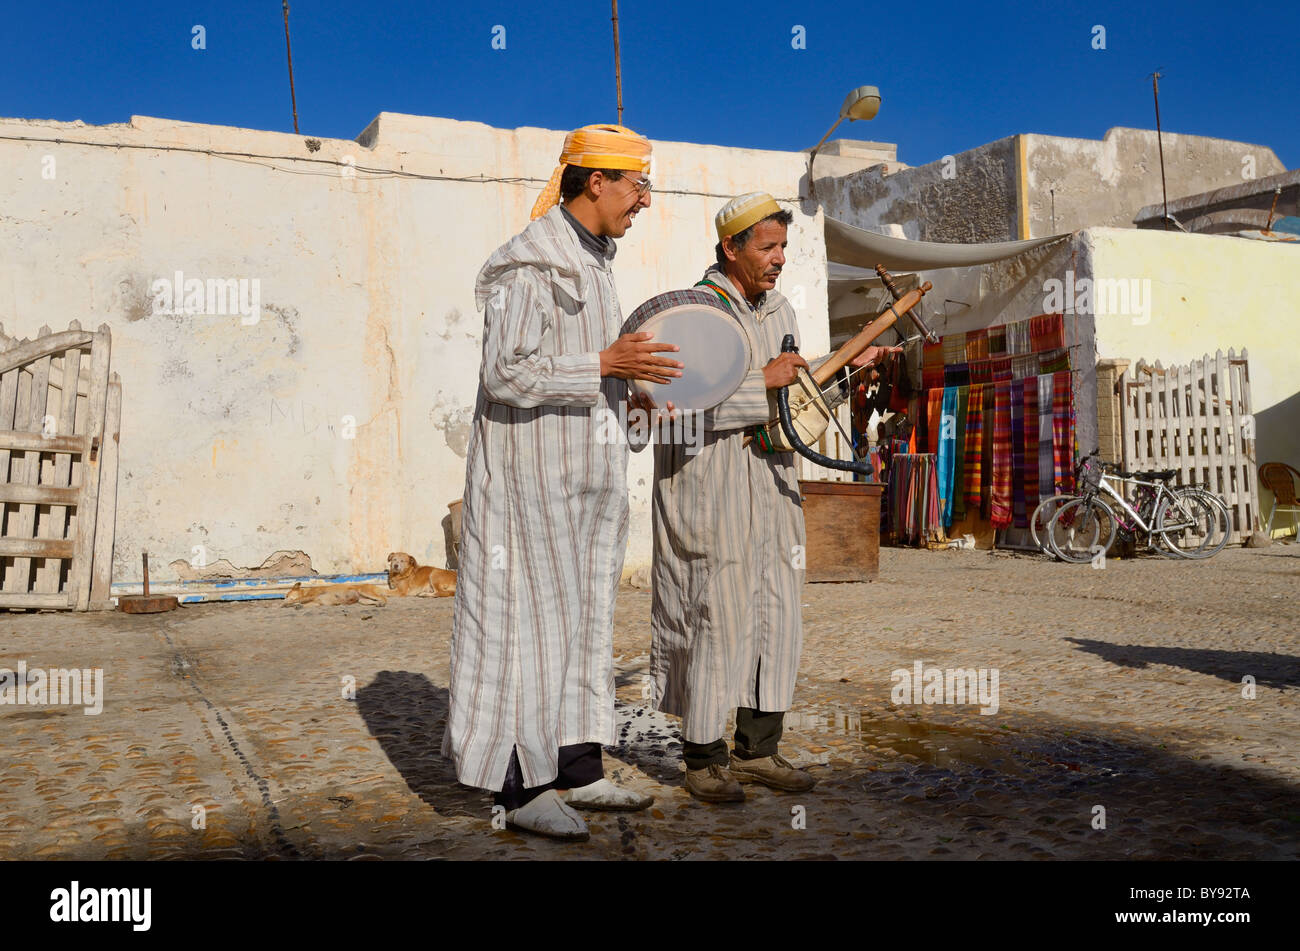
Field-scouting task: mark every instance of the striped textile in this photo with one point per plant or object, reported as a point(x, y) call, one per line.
point(1054, 361)
point(974, 437)
point(1030, 460)
point(1062, 432)
point(913, 503)
point(997, 341)
point(1024, 365)
point(986, 452)
point(725, 619)
point(959, 469)
point(1046, 332)
point(1046, 464)
point(1018, 337)
point(954, 348)
point(545, 514)
point(932, 365)
point(1000, 369)
point(956, 375)
point(933, 416)
point(1000, 502)
point(1018, 454)
point(977, 345)
point(947, 452)
point(981, 371)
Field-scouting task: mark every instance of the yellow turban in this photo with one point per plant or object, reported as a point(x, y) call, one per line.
point(739, 213)
point(596, 146)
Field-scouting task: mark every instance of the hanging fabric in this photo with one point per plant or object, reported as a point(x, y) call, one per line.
point(947, 452)
point(934, 411)
point(1000, 513)
point(954, 348)
point(1030, 460)
point(1018, 454)
point(1046, 462)
point(1018, 337)
point(959, 470)
point(1047, 332)
point(1024, 365)
point(974, 445)
point(1062, 451)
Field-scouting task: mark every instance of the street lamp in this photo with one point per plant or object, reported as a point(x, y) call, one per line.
point(861, 103)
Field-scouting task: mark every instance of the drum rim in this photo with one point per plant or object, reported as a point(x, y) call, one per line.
point(712, 306)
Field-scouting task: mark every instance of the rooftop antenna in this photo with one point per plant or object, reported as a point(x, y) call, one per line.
point(289, 52)
point(1155, 89)
point(618, 66)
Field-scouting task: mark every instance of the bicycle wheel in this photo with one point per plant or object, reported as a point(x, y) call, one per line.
point(1080, 529)
point(1185, 524)
point(1042, 517)
point(1194, 524)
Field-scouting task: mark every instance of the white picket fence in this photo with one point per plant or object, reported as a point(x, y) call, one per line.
point(1195, 418)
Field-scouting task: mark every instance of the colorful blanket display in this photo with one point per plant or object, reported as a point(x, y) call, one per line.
point(997, 415)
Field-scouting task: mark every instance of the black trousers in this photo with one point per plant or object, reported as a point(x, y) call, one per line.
point(580, 765)
point(757, 735)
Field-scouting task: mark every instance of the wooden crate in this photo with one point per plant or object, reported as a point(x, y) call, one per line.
point(842, 523)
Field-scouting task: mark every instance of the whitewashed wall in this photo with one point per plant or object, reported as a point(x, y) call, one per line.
point(232, 431)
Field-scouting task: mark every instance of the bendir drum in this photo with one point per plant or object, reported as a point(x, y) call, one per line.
point(714, 350)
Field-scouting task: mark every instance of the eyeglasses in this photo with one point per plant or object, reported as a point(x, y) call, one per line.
point(641, 185)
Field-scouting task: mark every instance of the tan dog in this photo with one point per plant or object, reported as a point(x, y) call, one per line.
point(407, 578)
point(331, 595)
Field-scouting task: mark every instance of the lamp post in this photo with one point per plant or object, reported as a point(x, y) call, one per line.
point(861, 103)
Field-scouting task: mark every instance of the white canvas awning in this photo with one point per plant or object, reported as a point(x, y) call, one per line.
point(865, 249)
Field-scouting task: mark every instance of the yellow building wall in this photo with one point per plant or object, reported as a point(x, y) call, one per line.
point(1208, 293)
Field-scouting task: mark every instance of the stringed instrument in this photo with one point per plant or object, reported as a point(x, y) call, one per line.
point(811, 408)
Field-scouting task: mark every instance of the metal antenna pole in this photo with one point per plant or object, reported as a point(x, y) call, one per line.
point(1155, 89)
point(618, 66)
point(293, 98)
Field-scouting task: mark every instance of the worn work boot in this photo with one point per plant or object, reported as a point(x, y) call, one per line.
point(713, 784)
point(774, 771)
point(548, 815)
point(606, 797)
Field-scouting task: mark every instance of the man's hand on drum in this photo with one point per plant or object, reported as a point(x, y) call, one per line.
point(782, 370)
point(872, 356)
point(631, 357)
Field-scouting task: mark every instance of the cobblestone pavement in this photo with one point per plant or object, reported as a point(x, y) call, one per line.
point(1118, 688)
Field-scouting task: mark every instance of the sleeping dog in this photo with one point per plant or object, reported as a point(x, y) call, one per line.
point(407, 578)
point(333, 595)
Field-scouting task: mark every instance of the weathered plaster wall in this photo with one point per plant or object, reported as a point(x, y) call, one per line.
point(233, 434)
point(972, 196)
point(971, 199)
point(1106, 183)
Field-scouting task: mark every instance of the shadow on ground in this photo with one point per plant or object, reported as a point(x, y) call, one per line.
point(1268, 669)
point(407, 714)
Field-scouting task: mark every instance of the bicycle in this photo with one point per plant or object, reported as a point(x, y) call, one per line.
point(1183, 521)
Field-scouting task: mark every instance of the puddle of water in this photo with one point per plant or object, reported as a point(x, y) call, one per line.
point(936, 744)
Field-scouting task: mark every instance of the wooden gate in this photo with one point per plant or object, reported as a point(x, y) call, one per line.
point(1197, 419)
point(58, 472)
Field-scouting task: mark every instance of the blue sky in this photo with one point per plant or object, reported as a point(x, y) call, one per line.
point(952, 75)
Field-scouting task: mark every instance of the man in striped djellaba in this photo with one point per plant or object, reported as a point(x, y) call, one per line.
point(545, 513)
point(729, 535)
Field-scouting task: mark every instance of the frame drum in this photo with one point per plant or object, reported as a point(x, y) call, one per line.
point(714, 349)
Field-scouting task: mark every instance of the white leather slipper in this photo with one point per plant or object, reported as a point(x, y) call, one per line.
point(605, 796)
point(548, 815)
